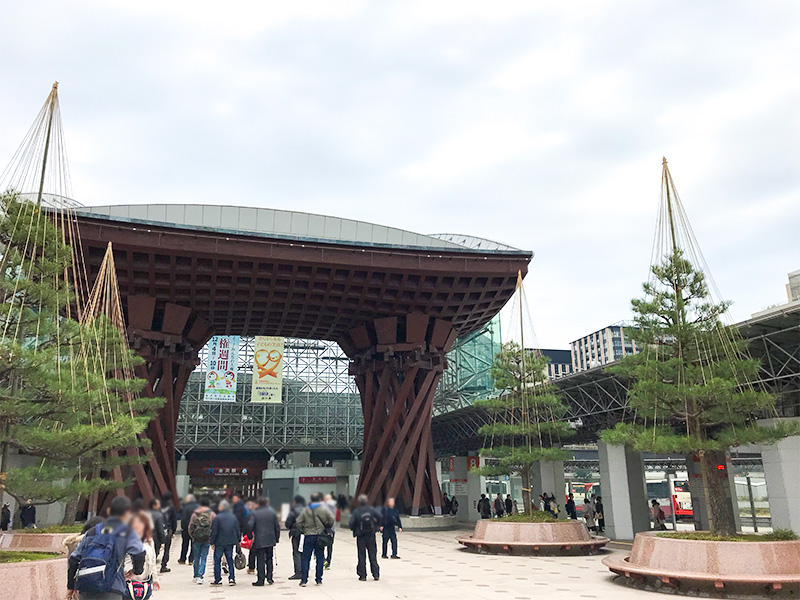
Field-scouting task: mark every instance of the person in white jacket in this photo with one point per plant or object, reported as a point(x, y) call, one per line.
point(142, 524)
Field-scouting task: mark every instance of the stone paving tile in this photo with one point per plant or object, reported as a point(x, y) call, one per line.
point(433, 566)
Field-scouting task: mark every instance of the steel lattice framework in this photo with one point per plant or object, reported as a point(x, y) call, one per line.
point(597, 399)
point(468, 374)
point(321, 408)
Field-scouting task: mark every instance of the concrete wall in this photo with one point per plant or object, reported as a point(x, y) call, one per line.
point(782, 472)
point(624, 491)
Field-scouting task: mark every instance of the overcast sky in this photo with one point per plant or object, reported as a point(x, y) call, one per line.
point(537, 124)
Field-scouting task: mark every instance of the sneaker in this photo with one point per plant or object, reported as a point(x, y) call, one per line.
point(303, 584)
point(327, 566)
point(165, 570)
point(194, 579)
point(232, 582)
point(200, 581)
point(251, 571)
point(216, 583)
point(295, 577)
point(317, 583)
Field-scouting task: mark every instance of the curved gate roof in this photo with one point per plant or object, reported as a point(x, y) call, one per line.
point(258, 271)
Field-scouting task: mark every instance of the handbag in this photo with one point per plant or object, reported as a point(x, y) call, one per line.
point(325, 538)
point(246, 542)
point(139, 590)
point(239, 561)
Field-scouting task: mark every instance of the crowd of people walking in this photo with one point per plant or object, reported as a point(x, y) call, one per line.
point(139, 539)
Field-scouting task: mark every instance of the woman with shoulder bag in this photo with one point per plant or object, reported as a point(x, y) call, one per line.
point(142, 586)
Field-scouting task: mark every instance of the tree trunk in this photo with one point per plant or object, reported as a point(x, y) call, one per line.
point(71, 511)
point(526, 490)
point(719, 504)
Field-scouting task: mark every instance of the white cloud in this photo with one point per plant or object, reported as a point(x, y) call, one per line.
point(534, 123)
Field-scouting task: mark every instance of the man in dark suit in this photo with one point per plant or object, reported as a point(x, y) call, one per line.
point(187, 510)
point(264, 528)
point(225, 536)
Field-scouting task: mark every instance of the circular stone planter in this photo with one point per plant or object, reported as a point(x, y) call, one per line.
point(563, 537)
point(698, 565)
point(34, 542)
point(34, 580)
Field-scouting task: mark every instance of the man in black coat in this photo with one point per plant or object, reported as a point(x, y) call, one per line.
point(509, 505)
point(364, 523)
point(294, 534)
point(189, 506)
point(485, 507)
point(159, 530)
point(390, 520)
point(225, 536)
point(170, 515)
point(27, 515)
point(264, 528)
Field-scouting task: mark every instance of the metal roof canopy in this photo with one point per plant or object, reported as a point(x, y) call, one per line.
point(257, 283)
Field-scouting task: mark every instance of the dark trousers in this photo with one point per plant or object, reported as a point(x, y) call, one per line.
point(389, 536)
point(329, 550)
point(219, 552)
point(251, 559)
point(186, 546)
point(297, 555)
point(367, 548)
point(263, 564)
point(167, 547)
point(309, 549)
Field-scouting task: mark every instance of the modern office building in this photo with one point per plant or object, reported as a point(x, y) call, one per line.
point(601, 347)
point(560, 362)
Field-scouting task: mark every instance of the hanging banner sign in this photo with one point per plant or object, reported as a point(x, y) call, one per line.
point(222, 368)
point(267, 369)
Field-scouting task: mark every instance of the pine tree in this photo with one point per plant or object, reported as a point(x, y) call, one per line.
point(690, 384)
point(528, 413)
point(65, 400)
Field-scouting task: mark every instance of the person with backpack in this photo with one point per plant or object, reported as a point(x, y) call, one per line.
point(484, 507)
point(264, 528)
point(95, 569)
point(364, 523)
point(225, 537)
point(389, 520)
point(200, 532)
point(298, 506)
point(313, 523)
point(189, 506)
point(170, 515)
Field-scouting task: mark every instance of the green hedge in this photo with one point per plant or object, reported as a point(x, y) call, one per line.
point(779, 535)
point(12, 556)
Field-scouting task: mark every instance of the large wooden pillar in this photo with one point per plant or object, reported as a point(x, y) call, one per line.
point(397, 363)
point(169, 341)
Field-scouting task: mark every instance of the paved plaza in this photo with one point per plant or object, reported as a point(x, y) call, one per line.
point(433, 565)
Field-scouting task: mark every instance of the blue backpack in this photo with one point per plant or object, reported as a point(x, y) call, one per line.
point(102, 560)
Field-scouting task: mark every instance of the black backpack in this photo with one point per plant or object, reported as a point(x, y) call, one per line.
point(367, 523)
